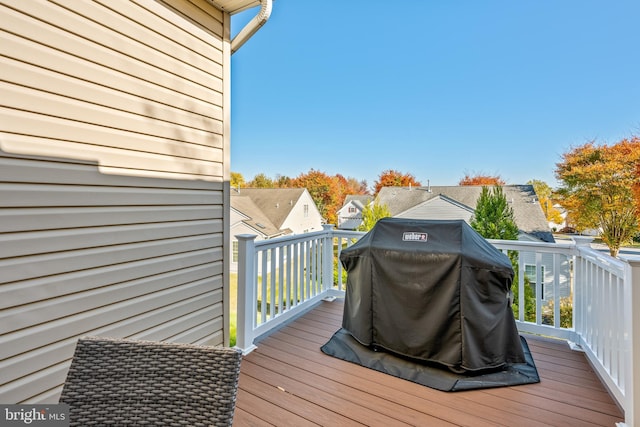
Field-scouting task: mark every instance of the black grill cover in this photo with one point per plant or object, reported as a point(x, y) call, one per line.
point(431, 290)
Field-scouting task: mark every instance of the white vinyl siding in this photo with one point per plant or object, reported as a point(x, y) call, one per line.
point(438, 208)
point(304, 216)
point(548, 278)
point(113, 162)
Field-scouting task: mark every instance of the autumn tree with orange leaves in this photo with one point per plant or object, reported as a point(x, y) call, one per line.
point(323, 190)
point(480, 179)
point(350, 186)
point(393, 178)
point(600, 189)
point(328, 192)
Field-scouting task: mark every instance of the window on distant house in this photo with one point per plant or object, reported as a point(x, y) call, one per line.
point(352, 209)
point(235, 251)
point(306, 211)
point(530, 273)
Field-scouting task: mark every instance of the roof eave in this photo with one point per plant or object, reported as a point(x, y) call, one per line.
point(234, 6)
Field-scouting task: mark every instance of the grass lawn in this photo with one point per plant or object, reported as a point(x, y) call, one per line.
point(233, 307)
point(233, 302)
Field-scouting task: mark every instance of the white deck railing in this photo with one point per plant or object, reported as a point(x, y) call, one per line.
point(581, 295)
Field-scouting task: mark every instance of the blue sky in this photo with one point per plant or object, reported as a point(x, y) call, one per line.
point(437, 88)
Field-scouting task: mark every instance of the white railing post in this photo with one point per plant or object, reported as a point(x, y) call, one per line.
point(582, 241)
point(246, 292)
point(632, 348)
point(327, 258)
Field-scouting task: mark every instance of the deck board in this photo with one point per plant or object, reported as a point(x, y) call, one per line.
point(288, 381)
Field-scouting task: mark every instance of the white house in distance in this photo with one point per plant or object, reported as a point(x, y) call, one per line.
point(271, 212)
point(350, 214)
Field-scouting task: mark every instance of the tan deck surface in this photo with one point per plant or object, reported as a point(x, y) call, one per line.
point(288, 381)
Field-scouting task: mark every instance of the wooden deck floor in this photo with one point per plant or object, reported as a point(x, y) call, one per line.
point(288, 381)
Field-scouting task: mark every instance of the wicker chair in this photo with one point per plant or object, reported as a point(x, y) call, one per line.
point(125, 382)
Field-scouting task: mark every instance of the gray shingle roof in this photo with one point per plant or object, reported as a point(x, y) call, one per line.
point(526, 209)
point(275, 203)
point(256, 218)
point(358, 200)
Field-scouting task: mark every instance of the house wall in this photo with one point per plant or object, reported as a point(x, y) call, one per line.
point(113, 177)
point(547, 263)
point(437, 208)
point(349, 220)
point(298, 221)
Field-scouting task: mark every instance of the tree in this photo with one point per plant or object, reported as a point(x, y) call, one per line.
point(282, 181)
point(480, 179)
point(324, 190)
point(493, 217)
point(371, 213)
point(236, 180)
point(393, 178)
point(261, 181)
point(598, 189)
point(545, 193)
point(351, 186)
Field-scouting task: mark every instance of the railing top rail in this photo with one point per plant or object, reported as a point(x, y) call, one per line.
point(348, 233)
point(564, 247)
point(557, 247)
point(298, 238)
point(602, 260)
point(289, 239)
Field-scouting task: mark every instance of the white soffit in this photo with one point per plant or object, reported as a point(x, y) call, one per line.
point(234, 6)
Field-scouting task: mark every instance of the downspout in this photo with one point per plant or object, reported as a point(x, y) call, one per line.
point(252, 26)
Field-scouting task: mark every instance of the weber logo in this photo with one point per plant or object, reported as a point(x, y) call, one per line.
point(414, 236)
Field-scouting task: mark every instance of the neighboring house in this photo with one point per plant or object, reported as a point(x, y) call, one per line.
point(459, 202)
point(247, 218)
point(114, 178)
point(350, 214)
point(271, 212)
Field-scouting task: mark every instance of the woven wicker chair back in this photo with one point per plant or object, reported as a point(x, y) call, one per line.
point(125, 382)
